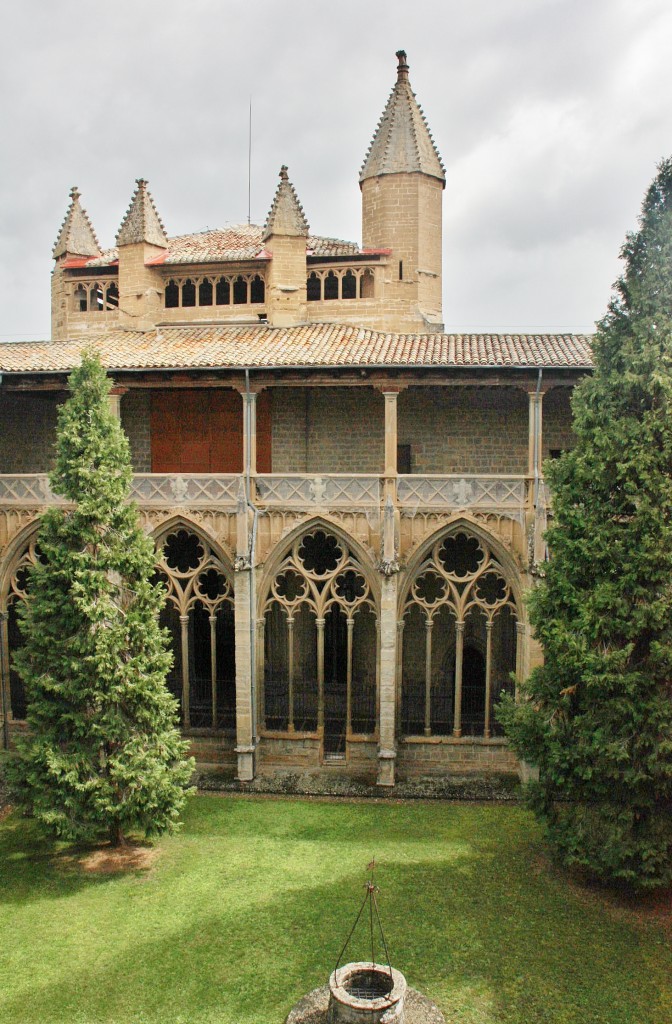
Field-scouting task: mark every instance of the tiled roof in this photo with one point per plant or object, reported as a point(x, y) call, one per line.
point(402, 142)
point(313, 345)
point(237, 242)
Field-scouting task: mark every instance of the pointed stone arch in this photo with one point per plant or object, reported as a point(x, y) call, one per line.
point(199, 613)
point(21, 553)
point(461, 604)
point(318, 614)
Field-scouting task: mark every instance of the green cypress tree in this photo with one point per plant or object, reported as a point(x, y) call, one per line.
point(103, 755)
point(597, 720)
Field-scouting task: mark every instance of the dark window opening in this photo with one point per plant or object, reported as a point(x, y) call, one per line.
point(404, 458)
point(240, 291)
point(314, 288)
point(555, 453)
point(97, 299)
point(349, 285)
point(223, 292)
point(257, 289)
point(331, 286)
point(188, 293)
point(205, 293)
point(172, 295)
point(112, 296)
point(401, 270)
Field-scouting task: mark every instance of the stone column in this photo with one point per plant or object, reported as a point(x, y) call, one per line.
point(250, 432)
point(245, 738)
point(388, 678)
point(114, 398)
point(245, 648)
point(391, 444)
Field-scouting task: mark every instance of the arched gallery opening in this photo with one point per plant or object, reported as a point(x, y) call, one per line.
point(199, 616)
point(458, 641)
point(319, 643)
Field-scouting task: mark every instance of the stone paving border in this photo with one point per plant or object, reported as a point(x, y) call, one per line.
point(313, 1008)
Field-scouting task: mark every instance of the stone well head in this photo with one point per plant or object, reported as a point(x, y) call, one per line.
point(366, 993)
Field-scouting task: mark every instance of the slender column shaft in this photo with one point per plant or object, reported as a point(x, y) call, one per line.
point(261, 629)
point(388, 675)
point(400, 674)
point(488, 677)
point(520, 637)
point(459, 650)
point(245, 718)
point(212, 619)
point(390, 444)
point(320, 673)
point(428, 677)
point(531, 427)
point(250, 432)
point(184, 632)
point(348, 691)
point(290, 672)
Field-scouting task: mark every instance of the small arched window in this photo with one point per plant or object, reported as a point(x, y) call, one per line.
point(313, 288)
point(331, 286)
point(257, 289)
point(112, 296)
point(240, 291)
point(96, 299)
point(223, 292)
point(349, 285)
point(80, 299)
point(188, 293)
point(205, 293)
point(172, 298)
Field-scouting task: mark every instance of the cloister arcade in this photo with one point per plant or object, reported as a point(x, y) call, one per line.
point(318, 636)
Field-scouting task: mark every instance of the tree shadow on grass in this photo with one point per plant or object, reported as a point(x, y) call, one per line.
point(470, 925)
point(34, 866)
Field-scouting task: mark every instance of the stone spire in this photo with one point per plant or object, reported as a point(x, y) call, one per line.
point(402, 142)
point(286, 216)
point(76, 236)
point(142, 223)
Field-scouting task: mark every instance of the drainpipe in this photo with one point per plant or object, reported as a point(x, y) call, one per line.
point(252, 551)
point(537, 424)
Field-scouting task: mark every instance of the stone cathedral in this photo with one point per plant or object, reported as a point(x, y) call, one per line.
point(347, 501)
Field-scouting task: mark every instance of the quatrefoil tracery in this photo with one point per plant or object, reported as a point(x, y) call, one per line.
point(192, 573)
point(320, 572)
point(460, 573)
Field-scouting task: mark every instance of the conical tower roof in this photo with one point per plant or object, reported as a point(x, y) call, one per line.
point(142, 223)
point(403, 142)
point(76, 236)
point(286, 216)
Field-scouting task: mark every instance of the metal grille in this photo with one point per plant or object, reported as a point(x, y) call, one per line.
point(368, 985)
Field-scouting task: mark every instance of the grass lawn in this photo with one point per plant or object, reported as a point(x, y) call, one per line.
point(246, 909)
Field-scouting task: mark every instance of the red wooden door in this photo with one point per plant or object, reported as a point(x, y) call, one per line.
point(197, 431)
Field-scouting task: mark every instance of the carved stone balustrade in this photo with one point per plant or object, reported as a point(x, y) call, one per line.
point(452, 492)
point(333, 490)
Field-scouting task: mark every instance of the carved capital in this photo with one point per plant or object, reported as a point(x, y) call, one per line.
point(388, 566)
point(242, 563)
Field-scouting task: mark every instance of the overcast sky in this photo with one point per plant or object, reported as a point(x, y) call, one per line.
point(550, 116)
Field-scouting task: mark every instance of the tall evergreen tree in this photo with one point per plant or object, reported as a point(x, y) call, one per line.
point(597, 718)
point(102, 755)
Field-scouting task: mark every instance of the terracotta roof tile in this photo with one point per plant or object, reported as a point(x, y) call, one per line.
point(312, 345)
point(222, 245)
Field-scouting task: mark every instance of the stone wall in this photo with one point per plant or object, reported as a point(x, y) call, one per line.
point(135, 419)
point(557, 421)
point(328, 430)
point(464, 430)
point(28, 431)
